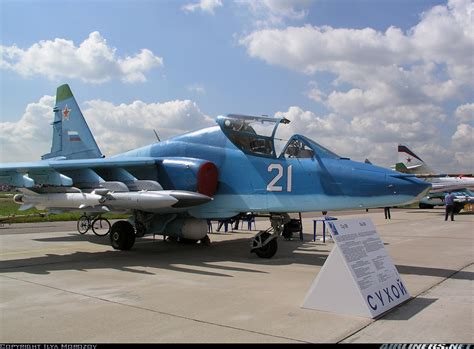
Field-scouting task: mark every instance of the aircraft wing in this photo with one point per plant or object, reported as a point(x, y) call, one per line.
point(87, 173)
point(182, 177)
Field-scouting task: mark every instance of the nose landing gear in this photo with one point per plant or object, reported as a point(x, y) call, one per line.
point(265, 244)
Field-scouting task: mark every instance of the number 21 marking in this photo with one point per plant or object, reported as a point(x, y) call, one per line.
point(272, 185)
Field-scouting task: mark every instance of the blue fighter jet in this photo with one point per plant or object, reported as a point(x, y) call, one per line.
point(173, 187)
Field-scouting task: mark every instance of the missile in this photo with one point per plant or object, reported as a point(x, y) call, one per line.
point(105, 200)
point(79, 200)
point(153, 201)
point(150, 201)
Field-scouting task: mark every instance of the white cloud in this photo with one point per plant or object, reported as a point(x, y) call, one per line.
point(197, 88)
point(93, 61)
point(116, 128)
point(463, 138)
point(309, 49)
point(204, 5)
point(465, 112)
point(389, 86)
point(436, 53)
point(135, 122)
point(315, 93)
point(375, 137)
point(26, 139)
point(275, 12)
point(463, 143)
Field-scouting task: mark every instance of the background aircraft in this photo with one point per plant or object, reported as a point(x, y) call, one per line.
point(409, 162)
point(461, 198)
point(172, 187)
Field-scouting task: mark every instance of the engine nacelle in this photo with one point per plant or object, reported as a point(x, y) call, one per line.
point(187, 228)
point(188, 174)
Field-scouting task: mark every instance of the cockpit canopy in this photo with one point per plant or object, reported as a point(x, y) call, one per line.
point(255, 135)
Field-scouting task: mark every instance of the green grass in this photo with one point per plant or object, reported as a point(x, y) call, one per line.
point(10, 209)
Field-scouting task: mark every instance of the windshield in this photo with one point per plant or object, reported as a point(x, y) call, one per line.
point(322, 151)
point(256, 135)
point(252, 134)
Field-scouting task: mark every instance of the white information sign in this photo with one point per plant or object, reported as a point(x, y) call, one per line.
point(359, 277)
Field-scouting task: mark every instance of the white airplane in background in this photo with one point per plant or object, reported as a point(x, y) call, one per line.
point(409, 162)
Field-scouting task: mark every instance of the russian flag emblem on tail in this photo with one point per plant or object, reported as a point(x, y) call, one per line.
point(73, 136)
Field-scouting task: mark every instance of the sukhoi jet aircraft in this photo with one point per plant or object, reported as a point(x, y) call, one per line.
point(173, 187)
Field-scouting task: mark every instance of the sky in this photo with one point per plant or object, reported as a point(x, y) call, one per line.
point(357, 76)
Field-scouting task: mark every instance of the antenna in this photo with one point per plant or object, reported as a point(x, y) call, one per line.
point(156, 134)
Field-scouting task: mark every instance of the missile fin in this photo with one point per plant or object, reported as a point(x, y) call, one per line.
point(26, 207)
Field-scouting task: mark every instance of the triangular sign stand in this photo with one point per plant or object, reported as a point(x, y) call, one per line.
point(334, 289)
point(359, 277)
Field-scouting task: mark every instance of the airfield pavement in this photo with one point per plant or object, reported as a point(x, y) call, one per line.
point(59, 286)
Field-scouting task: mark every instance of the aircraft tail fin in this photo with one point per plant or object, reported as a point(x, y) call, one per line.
point(409, 162)
point(72, 138)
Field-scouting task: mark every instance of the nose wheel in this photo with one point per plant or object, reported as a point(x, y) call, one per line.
point(264, 244)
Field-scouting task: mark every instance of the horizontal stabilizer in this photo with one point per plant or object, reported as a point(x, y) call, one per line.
point(414, 167)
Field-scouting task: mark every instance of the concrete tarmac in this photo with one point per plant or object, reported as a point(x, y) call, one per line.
point(59, 286)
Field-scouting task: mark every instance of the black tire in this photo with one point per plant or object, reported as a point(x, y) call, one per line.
point(122, 235)
point(187, 241)
point(425, 206)
point(100, 226)
point(83, 224)
point(269, 250)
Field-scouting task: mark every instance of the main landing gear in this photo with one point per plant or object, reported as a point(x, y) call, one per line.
point(265, 244)
point(122, 235)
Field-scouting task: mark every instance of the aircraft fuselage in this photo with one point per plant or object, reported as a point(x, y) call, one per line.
point(250, 183)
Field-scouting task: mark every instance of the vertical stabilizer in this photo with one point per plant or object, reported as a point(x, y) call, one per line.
point(72, 138)
point(411, 162)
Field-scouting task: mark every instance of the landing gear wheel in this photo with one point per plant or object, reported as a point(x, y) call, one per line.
point(264, 251)
point(187, 241)
point(101, 226)
point(122, 235)
point(205, 241)
point(83, 224)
